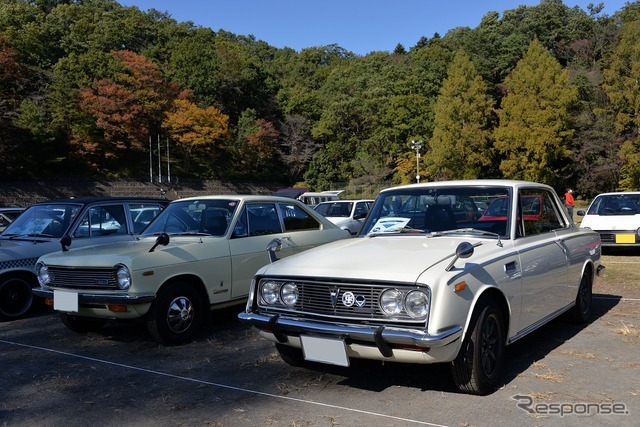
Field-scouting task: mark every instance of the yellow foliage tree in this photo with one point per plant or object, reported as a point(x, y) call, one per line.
point(192, 127)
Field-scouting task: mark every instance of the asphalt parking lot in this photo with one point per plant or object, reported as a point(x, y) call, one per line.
point(562, 374)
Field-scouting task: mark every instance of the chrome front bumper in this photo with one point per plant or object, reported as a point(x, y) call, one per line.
point(281, 326)
point(89, 298)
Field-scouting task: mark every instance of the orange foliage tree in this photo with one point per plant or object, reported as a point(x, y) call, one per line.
point(126, 109)
point(194, 128)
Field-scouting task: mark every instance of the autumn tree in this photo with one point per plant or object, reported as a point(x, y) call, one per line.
point(254, 151)
point(193, 129)
point(460, 146)
point(535, 118)
point(127, 108)
point(621, 86)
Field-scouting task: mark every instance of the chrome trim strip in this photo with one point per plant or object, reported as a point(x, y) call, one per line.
point(540, 323)
point(289, 325)
point(102, 298)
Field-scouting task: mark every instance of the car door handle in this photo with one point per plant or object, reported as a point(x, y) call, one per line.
point(511, 267)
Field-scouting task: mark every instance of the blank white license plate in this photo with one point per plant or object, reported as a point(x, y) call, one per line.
point(65, 301)
point(324, 350)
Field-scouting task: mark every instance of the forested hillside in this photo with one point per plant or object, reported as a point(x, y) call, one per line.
point(90, 88)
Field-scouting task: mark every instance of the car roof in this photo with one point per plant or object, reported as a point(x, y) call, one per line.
point(344, 201)
point(472, 183)
point(98, 199)
point(245, 197)
point(620, 193)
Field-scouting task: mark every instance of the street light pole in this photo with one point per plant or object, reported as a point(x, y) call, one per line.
point(417, 145)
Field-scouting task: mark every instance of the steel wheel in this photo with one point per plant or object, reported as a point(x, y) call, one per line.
point(177, 313)
point(180, 315)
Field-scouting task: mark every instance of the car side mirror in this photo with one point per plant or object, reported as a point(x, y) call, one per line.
point(581, 213)
point(163, 239)
point(360, 216)
point(65, 242)
point(464, 250)
point(272, 247)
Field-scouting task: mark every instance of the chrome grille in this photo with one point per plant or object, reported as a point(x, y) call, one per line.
point(83, 278)
point(320, 299)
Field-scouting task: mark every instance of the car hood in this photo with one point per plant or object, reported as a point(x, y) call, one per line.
point(135, 254)
point(339, 220)
point(611, 222)
point(11, 250)
point(368, 258)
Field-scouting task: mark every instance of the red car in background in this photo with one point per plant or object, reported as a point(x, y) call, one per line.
point(498, 209)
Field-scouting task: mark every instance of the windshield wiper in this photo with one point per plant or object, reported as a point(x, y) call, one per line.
point(18, 236)
point(468, 230)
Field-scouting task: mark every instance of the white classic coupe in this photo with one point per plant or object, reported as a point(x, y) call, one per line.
point(423, 283)
point(198, 254)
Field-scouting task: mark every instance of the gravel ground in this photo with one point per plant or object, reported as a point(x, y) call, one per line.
point(50, 376)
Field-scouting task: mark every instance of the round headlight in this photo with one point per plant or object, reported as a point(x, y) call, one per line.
point(638, 231)
point(123, 277)
point(391, 301)
point(417, 304)
point(269, 292)
point(42, 271)
point(289, 294)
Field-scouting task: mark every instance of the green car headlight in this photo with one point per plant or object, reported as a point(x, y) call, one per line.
point(123, 277)
point(42, 271)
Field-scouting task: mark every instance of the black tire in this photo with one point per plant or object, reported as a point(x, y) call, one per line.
point(82, 324)
point(176, 314)
point(291, 355)
point(477, 368)
point(16, 297)
point(581, 312)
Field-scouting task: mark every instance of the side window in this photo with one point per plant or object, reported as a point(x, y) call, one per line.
point(240, 229)
point(102, 221)
point(262, 219)
point(538, 213)
point(361, 209)
point(296, 219)
point(142, 214)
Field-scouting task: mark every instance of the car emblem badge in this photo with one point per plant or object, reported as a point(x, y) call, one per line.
point(360, 300)
point(348, 299)
point(334, 296)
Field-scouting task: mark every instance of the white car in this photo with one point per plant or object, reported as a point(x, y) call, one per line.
point(346, 214)
point(54, 225)
point(200, 253)
point(422, 285)
point(616, 217)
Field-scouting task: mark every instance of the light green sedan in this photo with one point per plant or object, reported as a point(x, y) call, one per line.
point(198, 254)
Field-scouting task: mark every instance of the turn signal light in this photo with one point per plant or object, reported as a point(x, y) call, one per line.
point(117, 308)
point(48, 302)
point(460, 287)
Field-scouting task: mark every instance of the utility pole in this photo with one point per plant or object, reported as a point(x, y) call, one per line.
point(417, 145)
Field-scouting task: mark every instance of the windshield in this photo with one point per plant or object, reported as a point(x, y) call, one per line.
point(46, 220)
point(209, 217)
point(433, 209)
point(615, 204)
point(335, 209)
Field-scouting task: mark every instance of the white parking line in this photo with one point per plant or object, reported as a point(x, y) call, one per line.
point(164, 374)
point(618, 299)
